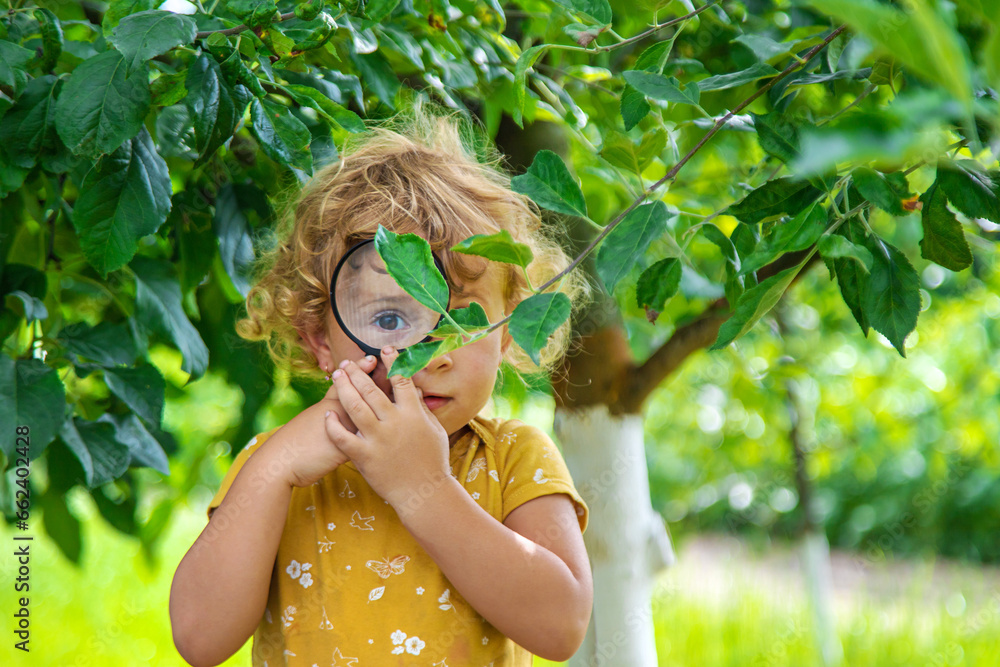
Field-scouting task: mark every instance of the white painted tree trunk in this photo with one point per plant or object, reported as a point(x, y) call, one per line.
point(819, 585)
point(626, 539)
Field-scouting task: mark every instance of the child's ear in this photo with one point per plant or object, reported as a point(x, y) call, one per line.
point(320, 348)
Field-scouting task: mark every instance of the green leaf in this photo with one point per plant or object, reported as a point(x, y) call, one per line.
point(724, 81)
point(143, 448)
point(664, 88)
point(61, 525)
point(282, 136)
point(499, 247)
point(125, 196)
point(779, 196)
point(120, 514)
point(378, 75)
point(413, 358)
point(599, 10)
point(753, 304)
point(158, 310)
point(335, 113)
point(725, 244)
point(471, 318)
point(620, 151)
point(376, 10)
point(255, 13)
point(550, 185)
point(796, 234)
point(832, 246)
point(32, 395)
point(29, 126)
point(14, 61)
point(119, 9)
point(168, 89)
point(25, 278)
point(971, 190)
point(634, 107)
point(107, 344)
point(31, 309)
point(920, 38)
point(876, 188)
point(629, 240)
point(657, 284)
point(944, 241)
point(11, 178)
point(853, 280)
point(764, 47)
point(892, 300)
point(140, 37)
point(864, 137)
point(777, 136)
point(235, 243)
point(94, 444)
point(535, 319)
point(409, 260)
point(197, 243)
point(215, 106)
point(141, 388)
point(521, 67)
point(99, 108)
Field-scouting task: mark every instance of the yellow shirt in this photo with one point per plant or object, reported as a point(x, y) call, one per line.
point(351, 586)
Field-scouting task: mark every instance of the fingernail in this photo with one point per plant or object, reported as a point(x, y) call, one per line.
point(387, 349)
point(370, 357)
point(327, 414)
point(343, 364)
point(337, 373)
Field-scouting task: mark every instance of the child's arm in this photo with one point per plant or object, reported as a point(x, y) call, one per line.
point(220, 589)
point(529, 577)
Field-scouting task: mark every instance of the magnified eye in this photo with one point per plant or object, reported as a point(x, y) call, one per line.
point(389, 320)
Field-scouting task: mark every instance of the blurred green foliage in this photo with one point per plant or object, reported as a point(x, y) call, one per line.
point(903, 454)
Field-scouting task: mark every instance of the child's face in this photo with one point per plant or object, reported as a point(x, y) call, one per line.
point(457, 385)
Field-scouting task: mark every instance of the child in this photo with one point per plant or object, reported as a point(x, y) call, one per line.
point(390, 523)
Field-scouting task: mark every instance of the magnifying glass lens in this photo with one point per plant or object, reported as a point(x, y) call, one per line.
point(372, 308)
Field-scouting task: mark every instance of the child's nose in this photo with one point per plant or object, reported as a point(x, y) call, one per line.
point(443, 362)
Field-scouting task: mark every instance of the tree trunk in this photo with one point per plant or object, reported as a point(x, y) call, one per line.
point(816, 568)
point(600, 393)
point(627, 542)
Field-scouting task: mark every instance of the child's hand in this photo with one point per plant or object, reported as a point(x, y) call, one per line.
point(399, 446)
point(332, 401)
point(314, 455)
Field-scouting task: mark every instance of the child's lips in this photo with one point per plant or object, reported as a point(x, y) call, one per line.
point(435, 402)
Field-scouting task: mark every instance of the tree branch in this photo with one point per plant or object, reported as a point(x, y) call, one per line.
point(691, 337)
point(240, 28)
point(655, 28)
point(670, 175)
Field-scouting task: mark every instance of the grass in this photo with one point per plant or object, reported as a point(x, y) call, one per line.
point(711, 609)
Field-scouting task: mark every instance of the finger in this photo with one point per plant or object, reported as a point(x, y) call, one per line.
point(420, 397)
point(340, 435)
point(374, 397)
point(368, 363)
point(403, 389)
point(354, 404)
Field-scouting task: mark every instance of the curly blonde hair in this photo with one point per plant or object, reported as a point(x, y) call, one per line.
point(424, 172)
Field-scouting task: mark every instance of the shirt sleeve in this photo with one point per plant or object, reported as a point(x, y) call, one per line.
point(234, 469)
point(532, 466)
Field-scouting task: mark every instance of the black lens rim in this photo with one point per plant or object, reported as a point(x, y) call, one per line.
point(365, 347)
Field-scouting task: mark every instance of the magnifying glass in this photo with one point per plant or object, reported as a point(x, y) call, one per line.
point(371, 308)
